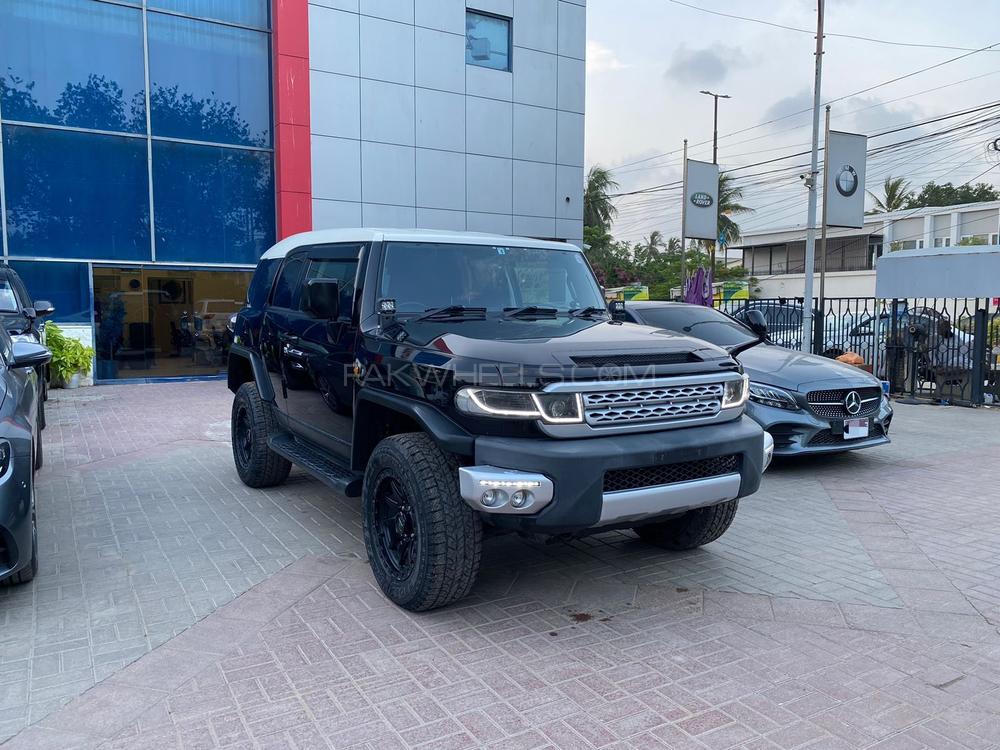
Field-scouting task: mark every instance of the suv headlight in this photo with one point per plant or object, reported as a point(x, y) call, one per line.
point(735, 392)
point(768, 395)
point(555, 408)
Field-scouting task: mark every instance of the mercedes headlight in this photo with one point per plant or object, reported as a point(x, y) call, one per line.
point(768, 395)
point(555, 408)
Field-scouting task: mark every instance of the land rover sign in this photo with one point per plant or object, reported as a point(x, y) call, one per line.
point(701, 210)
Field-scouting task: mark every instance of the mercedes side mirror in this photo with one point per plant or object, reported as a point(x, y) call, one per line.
point(322, 298)
point(756, 322)
point(29, 354)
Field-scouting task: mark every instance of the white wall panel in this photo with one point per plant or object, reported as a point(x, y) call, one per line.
point(572, 84)
point(387, 112)
point(570, 139)
point(534, 133)
point(434, 218)
point(436, 55)
point(488, 184)
point(535, 24)
point(572, 30)
point(440, 179)
point(336, 168)
point(335, 102)
point(348, 5)
point(569, 184)
point(393, 10)
point(492, 84)
point(335, 214)
point(333, 41)
point(443, 15)
point(492, 223)
point(386, 50)
point(375, 215)
point(534, 226)
point(535, 77)
point(440, 120)
point(534, 188)
point(388, 173)
point(488, 127)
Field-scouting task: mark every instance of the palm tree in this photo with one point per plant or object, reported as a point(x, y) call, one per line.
point(729, 205)
point(895, 194)
point(654, 241)
point(598, 210)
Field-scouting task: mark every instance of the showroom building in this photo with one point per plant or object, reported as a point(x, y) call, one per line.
point(151, 150)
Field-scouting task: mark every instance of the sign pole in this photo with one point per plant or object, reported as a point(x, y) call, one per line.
point(684, 203)
point(810, 264)
point(822, 242)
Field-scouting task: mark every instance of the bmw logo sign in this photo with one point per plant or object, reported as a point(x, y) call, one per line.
point(702, 200)
point(847, 181)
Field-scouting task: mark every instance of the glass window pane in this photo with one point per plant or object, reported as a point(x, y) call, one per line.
point(213, 204)
point(343, 271)
point(209, 82)
point(160, 322)
point(65, 285)
point(75, 195)
point(487, 41)
point(72, 62)
point(248, 12)
point(287, 288)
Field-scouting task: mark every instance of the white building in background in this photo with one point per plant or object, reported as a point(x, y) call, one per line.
point(776, 257)
point(449, 115)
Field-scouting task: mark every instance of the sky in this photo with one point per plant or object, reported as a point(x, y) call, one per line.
point(648, 59)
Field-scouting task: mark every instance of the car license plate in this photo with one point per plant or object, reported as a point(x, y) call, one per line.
point(854, 429)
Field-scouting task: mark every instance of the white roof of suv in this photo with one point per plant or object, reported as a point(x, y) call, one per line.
point(332, 236)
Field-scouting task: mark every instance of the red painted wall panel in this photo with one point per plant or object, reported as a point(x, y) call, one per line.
point(292, 157)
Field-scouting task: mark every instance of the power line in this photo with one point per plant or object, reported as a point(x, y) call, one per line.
point(812, 33)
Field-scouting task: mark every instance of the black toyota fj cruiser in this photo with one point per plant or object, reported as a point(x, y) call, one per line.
point(457, 382)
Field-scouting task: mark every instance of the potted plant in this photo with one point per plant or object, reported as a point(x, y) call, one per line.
point(71, 360)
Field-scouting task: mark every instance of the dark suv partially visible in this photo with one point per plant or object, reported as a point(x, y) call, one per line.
point(22, 317)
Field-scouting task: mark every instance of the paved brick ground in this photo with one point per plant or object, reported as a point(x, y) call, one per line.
point(854, 603)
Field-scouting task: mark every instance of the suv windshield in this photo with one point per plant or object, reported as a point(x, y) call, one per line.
point(701, 322)
point(425, 276)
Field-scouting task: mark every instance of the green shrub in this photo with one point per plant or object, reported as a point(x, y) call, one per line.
point(69, 356)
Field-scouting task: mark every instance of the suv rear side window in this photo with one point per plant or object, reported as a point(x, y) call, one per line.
point(343, 271)
point(8, 300)
point(287, 290)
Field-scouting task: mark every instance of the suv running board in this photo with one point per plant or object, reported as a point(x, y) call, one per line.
point(331, 473)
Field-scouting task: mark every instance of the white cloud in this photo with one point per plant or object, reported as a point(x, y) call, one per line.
point(601, 59)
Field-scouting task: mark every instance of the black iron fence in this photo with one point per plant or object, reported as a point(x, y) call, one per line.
point(945, 349)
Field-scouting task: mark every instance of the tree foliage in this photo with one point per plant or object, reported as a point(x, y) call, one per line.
point(896, 194)
point(729, 205)
point(947, 194)
point(598, 209)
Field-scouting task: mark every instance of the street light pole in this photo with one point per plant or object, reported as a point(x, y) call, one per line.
point(715, 153)
point(810, 259)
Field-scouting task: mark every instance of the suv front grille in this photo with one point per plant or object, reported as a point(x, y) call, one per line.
point(606, 408)
point(826, 437)
point(618, 480)
point(830, 404)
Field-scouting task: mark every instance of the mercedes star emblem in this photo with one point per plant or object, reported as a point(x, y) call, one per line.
point(847, 181)
point(852, 402)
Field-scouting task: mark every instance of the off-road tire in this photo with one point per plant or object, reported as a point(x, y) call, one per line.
point(449, 533)
point(260, 466)
point(695, 528)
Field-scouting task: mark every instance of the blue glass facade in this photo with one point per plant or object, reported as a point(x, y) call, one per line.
point(135, 132)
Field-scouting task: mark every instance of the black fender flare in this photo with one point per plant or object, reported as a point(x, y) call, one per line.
point(257, 367)
point(439, 427)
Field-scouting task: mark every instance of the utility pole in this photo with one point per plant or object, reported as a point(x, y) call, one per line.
point(810, 266)
point(684, 203)
point(715, 154)
point(822, 242)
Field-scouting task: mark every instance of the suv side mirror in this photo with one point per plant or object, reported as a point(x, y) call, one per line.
point(43, 308)
point(322, 298)
point(617, 309)
point(29, 354)
point(756, 322)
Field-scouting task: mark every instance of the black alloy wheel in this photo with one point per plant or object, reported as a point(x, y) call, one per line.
point(396, 524)
point(243, 435)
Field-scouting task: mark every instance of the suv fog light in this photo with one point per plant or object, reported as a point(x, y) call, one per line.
point(492, 498)
point(520, 498)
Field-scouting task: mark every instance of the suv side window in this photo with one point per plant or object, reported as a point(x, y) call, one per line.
point(345, 272)
point(287, 288)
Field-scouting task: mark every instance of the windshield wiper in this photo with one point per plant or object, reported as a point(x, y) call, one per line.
point(529, 311)
point(588, 312)
point(453, 312)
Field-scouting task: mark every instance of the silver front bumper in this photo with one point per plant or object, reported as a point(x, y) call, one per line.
point(617, 507)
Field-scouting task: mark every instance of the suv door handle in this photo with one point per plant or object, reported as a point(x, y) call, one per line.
point(288, 338)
